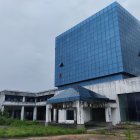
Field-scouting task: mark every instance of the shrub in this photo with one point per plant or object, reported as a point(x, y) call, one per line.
point(5, 121)
point(129, 134)
point(4, 114)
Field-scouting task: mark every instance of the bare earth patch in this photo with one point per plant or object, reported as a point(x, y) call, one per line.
point(75, 137)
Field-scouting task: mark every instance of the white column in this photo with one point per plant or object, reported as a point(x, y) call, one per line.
point(48, 114)
point(118, 118)
point(22, 110)
point(22, 113)
point(2, 108)
point(108, 114)
point(23, 100)
point(35, 114)
point(2, 99)
point(75, 116)
point(80, 117)
point(54, 115)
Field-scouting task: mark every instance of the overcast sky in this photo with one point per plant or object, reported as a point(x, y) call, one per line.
point(27, 36)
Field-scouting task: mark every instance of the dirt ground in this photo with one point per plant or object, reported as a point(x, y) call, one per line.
point(76, 137)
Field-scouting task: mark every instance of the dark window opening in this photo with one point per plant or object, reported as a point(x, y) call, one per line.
point(60, 75)
point(130, 107)
point(41, 113)
point(44, 98)
point(98, 114)
point(139, 54)
point(52, 115)
point(28, 113)
point(70, 115)
point(61, 65)
point(29, 99)
point(13, 98)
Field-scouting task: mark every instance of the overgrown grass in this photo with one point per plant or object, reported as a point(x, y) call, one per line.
point(14, 122)
point(36, 130)
point(17, 128)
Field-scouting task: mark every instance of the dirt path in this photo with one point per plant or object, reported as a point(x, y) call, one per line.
point(74, 137)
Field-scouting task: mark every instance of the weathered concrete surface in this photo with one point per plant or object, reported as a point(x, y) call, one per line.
point(111, 89)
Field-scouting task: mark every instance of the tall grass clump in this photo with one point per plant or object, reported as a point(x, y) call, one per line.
point(129, 134)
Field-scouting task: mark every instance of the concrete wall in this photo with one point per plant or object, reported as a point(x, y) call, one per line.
point(111, 89)
point(115, 117)
point(62, 117)
point(87, 114)
point(2, 98)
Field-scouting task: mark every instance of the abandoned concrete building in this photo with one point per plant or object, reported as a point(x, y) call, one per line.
point(97, 69)
point(24, 105)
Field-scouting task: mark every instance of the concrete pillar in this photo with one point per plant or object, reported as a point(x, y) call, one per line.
point(75, 116)
point(22, 109)
point(2, 108)
point(22, 113)
point(80, 117)
point(35, 113)
point(108, 114)
point(114, 116)
point(48, 114)
point(118, 118)
point(23, 100)
point(2, 99)
point(54, 115)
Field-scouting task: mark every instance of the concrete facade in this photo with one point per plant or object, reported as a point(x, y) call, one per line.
point(19, 103)
point(110, 90)
point(82, 112)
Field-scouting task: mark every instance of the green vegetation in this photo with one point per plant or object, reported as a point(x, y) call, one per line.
point(5, 120)
point(10, 128)
point(129, 134)
point(4, 114)
point(13, 122)
point(36, 130)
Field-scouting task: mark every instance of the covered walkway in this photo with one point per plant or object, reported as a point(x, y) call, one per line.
point(78, 105)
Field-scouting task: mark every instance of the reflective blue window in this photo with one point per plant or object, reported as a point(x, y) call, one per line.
point(104, 44)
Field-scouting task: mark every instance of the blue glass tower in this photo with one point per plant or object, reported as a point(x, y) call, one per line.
point(104, 47)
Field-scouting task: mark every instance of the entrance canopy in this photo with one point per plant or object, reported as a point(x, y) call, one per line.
point(77, 93)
